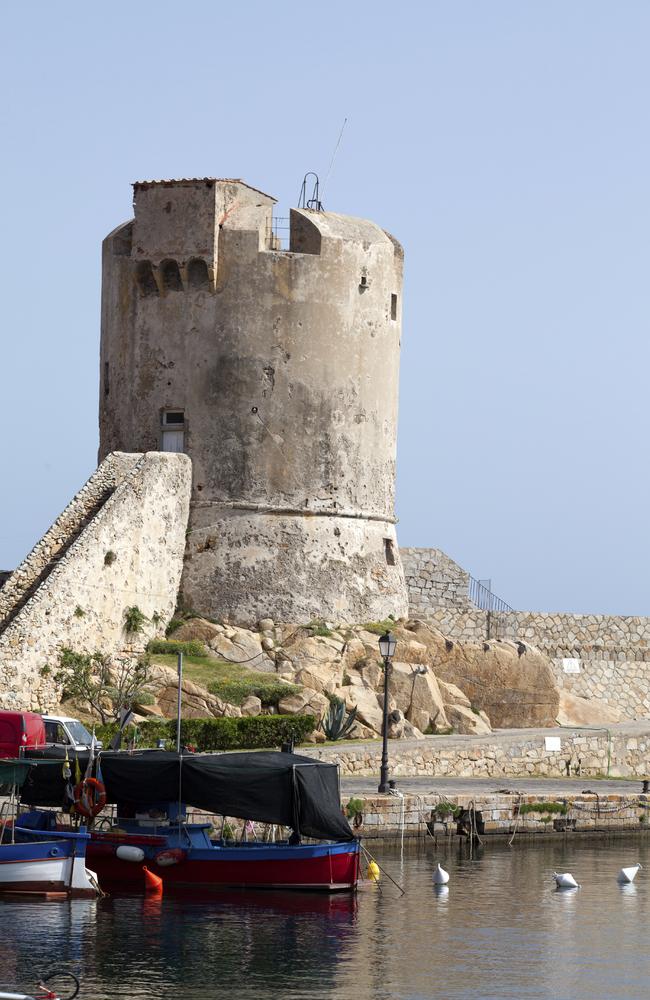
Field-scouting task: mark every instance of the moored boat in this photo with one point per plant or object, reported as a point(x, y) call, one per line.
point(35, 859)
point(151, 831)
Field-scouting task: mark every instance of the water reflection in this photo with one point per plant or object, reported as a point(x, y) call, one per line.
point(498, 930)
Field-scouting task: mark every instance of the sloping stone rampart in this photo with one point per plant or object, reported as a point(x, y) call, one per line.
point(57, 539)
point(82, 599)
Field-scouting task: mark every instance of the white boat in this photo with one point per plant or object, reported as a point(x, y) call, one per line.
point(36, 859)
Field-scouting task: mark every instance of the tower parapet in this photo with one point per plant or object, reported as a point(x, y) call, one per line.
point(277, 372)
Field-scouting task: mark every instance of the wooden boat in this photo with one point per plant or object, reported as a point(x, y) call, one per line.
point(35, 859)
point(152, 789)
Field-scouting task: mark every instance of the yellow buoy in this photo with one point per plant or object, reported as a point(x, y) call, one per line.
point(372, 872)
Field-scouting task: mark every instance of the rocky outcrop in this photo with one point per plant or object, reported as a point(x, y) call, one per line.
point(576, 711)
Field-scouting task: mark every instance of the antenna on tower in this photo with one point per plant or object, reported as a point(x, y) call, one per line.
point(336, 149)
point(314, 202)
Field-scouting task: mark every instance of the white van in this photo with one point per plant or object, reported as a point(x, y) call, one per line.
point(67, 733)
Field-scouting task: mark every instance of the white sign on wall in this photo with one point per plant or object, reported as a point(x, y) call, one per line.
point(571, 666)
point(552, 743)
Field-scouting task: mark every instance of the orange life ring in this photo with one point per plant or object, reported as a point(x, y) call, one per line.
point(89, 797)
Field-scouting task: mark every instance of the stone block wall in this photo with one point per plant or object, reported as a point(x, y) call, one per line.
point(593, 656)
point(385, 817)
point(434, 581)
point(621, 751)
point(84, 593)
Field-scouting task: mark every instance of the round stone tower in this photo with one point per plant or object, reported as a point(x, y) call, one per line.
point(276, 371)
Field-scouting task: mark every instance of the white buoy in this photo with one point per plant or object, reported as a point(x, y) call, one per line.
point(440, 876)
point(627, 875)
point(565, 881)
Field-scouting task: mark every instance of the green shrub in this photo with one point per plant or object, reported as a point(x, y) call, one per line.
point(445, 809)
point(134, 620)
point(109, 558)
point(165, 646)
point(255, 732)
point(354, 808)
point(235, 691)
point(148, 733)
point(337, 724)
point(174, 624)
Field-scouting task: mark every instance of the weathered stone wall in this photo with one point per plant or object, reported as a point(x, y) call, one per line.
point(593, 656)
point(82, 599)
point(388, 817)
point(620, 752)
point(434, 581)
point(48, 550)
point(293, 451)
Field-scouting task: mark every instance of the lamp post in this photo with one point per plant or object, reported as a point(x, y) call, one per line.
point(387, 646)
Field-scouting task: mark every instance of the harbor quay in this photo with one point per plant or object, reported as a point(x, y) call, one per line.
point(543, 783)
point(614, 751)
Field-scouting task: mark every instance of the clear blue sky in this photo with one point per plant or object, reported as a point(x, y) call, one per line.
point(504, 143)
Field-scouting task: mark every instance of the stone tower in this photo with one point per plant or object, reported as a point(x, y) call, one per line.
point(276, 371)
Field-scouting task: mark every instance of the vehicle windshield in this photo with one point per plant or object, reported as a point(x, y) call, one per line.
point(78, 732)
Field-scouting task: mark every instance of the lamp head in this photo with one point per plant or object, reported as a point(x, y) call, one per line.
point(387, 645)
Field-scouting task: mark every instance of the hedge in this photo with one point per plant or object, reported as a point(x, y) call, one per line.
point(165, 646)
point(269, 690)
point(254, 732)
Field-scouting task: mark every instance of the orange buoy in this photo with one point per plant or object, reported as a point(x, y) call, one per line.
point(152, 883)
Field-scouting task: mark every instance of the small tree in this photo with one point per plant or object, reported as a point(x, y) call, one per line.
point(108, 686)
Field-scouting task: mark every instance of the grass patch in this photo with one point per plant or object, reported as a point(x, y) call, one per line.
point(544, 807)
point(230, 681)
point(318, 627)
point(167, 646)
point(378, 628)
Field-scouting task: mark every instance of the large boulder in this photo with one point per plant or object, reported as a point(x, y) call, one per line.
point(196, 628)
point(304, 702)
point(321, 676)
point(244, 647)
point(368, 708)
point(467, 722)
point(415, 691)
point(576, 711)
point(512, 682)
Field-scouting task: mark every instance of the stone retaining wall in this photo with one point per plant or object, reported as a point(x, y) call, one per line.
point(129, 554)
point(594, 656)
point(431, 816)
point(621, 751)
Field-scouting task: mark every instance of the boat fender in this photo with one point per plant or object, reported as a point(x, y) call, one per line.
point(89, 797)
point(125, 852)
point(171, 857)
point(373, 872)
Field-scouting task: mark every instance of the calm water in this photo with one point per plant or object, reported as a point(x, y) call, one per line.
point(501, 930)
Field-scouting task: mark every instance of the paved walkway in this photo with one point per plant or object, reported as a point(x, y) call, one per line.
point(464, 786)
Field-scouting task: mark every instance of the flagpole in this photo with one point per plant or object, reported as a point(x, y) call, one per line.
point(178, 707)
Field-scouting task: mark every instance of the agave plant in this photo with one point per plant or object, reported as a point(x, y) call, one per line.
point(336, 725)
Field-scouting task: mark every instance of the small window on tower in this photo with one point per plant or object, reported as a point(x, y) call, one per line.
point(173, 430)
point(390, 551)
point(393, 307)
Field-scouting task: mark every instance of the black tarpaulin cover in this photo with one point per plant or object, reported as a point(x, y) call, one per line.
point(267, 786)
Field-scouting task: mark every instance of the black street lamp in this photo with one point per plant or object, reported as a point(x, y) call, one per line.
point(387, 646)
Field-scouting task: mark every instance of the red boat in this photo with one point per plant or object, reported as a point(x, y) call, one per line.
point(153, 837)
